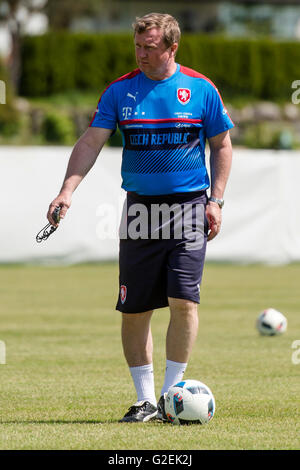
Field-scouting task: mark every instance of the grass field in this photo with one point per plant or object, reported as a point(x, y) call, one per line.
point(65, 383)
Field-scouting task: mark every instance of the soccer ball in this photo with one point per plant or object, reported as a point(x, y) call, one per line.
point(188, 402)
point(271, 322)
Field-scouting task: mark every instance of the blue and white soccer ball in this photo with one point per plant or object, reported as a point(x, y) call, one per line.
point(271, 322)
point(188, 402)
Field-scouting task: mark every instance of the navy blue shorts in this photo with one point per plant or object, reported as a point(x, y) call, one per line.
point(162, 250)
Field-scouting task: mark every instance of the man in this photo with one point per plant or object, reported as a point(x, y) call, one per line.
point(165, 112)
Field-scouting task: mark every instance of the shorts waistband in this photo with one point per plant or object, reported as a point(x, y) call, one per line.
point(176, 197)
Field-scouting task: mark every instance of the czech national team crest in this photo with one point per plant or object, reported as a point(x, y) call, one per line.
point(183, 95)
point(123, 293)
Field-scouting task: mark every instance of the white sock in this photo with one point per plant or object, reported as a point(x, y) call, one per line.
point(143, 379)
point(174, 373)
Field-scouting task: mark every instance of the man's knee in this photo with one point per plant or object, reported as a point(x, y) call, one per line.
point(136, 318)
point(183, 306)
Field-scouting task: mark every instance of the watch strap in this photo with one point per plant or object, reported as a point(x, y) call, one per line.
point(220, 202)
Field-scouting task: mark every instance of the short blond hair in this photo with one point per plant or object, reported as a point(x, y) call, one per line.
point(166, 23)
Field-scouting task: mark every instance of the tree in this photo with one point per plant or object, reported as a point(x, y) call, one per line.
point(60, 14)
point(16, 13)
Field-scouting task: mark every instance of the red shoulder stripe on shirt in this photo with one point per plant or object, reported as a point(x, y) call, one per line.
point(193, 73)
point(127, 76)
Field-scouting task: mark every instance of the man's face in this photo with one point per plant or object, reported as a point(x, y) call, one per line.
point(152, 55)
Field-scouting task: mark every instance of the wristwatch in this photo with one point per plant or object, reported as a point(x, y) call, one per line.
point(220, 202)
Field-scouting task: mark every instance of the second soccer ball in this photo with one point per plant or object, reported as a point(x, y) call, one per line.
point(271, 322)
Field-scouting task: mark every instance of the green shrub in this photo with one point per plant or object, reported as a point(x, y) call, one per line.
point(58, 129)
point(48, 64)
point(9, 121)
point(266, 135)
point(62, 61)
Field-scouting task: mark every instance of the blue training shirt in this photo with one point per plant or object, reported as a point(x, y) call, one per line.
point(164, 124)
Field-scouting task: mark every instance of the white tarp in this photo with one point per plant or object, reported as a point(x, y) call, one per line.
point(261, 220)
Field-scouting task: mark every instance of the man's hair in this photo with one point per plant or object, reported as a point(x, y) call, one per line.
point(166, 23)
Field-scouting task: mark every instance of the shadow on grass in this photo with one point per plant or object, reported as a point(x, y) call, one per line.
point(74, 421)
point(59, 421)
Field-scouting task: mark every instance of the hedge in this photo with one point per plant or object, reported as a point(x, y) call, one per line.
point(258, 68)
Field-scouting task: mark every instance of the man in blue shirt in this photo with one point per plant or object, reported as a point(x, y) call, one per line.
point(166, 112)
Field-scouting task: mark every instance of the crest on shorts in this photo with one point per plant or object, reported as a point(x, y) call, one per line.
point(183, 95)
point(123, 293)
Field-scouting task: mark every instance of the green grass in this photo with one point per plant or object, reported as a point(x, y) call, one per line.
point(65, 383)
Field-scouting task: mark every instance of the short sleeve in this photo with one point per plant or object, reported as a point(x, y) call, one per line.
point(216, 118)
point(105, 115)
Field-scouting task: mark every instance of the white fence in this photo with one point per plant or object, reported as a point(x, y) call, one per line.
point(261, 221)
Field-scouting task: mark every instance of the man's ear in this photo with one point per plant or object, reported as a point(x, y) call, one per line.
point(174, 48)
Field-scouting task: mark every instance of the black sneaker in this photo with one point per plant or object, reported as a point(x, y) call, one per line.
point(142, 411)
point(161, 414)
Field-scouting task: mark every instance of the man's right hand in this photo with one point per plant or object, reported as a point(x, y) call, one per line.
point(63, 201)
